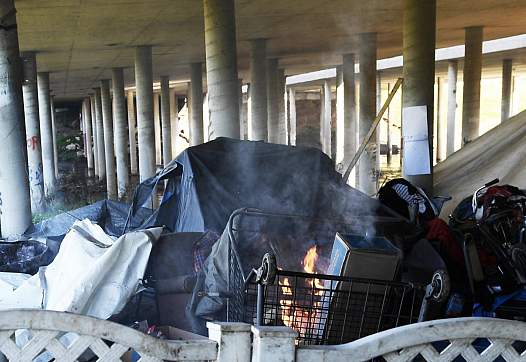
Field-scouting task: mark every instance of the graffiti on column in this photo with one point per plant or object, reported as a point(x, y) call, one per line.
point(32, 143)
point(37, 182)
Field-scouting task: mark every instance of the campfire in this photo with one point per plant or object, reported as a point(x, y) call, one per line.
point(302, 315)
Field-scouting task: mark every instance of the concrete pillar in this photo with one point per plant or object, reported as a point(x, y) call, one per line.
point(89, 133)
point(368, 164)
point(157, 128)
point(121, 135)
point(282, 96)
point(507, 70)
point(95, 135)
point(15, 205)
point(144, 81)
point(389, 131)
point(340, 126)
point(451, 105)
point(165, 119)
point(100, 134)
point(419, 75)
point(32, 121)
point(174, 122)
point(196, 96)
point(325, 127)
point(516, 92)
point(441, 130)
point(242, 111)
point(131, 134)
point(349, 110)
point(46, 133)
point(206, 118)
point(221, 68)
point(472, 75)
point(378, 107)
point(273, 100)
point(258, 130)
point(189, 112)
point(292, 115)
point(107, 120)
point(54, 130)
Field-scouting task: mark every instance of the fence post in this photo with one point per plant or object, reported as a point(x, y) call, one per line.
point(233, 340)
point(276, 344)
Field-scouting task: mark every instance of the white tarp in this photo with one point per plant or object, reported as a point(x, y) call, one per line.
point(499, 153)
point(93, 274)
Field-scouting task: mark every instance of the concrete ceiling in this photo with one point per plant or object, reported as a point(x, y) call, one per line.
point(80, 41)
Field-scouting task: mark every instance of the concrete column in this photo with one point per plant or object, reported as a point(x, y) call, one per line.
point(46, 133)
point(451, 105)
point(32, 121)
point(349, 111)
point(206, 118)
point(121, 135)
point(419, 74)
point(54, 130)
point(340, 125)
point(325, 126)
point(258, 130)
point(507, 70)
point(283, 127)
point(165, 119)
point(89, 133)
point(378, 107)
point(15, 205)
point(196, 96)
point(157, 128)
point(389, 132)
point(174, 122)
point(441, 130)
point(273, 100)
point(472, 75)
point(100, 134)
point(368, 164)
point(292, 106)
point(242, 111)
point(221, 68)
point(144, 81)
point(516, 91)
point(107, 120)
point(131, 134)
point(189, 112)
point(95, 135)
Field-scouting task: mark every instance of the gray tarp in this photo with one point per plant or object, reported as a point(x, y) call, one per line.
point(498, 153)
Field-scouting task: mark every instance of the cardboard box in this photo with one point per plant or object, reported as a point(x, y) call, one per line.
point(169, 333)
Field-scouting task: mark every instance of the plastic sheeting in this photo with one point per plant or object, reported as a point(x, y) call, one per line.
point(93, 274)
point(499, 153)
point(206, 183)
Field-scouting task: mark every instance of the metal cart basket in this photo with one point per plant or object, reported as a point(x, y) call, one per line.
point(324, 309)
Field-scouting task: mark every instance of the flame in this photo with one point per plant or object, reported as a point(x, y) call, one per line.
point(302, 319)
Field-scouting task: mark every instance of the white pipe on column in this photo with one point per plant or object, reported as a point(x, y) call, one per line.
point(95, 135)
point(157, 128)
point(174, 122)
point(54, 130)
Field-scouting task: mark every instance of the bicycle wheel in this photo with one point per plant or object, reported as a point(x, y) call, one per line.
point(518, 255)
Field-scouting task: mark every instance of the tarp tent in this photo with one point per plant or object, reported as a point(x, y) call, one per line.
point(206, 183)
point(499, 153)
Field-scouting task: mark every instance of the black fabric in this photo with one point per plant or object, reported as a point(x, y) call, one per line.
point(206, 183)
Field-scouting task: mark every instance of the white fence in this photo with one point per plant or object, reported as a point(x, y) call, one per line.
point(475, 339)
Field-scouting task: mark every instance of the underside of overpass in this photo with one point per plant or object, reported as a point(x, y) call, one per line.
point(80, 41)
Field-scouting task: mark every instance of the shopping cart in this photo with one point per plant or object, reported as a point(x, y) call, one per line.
point(324, 309)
